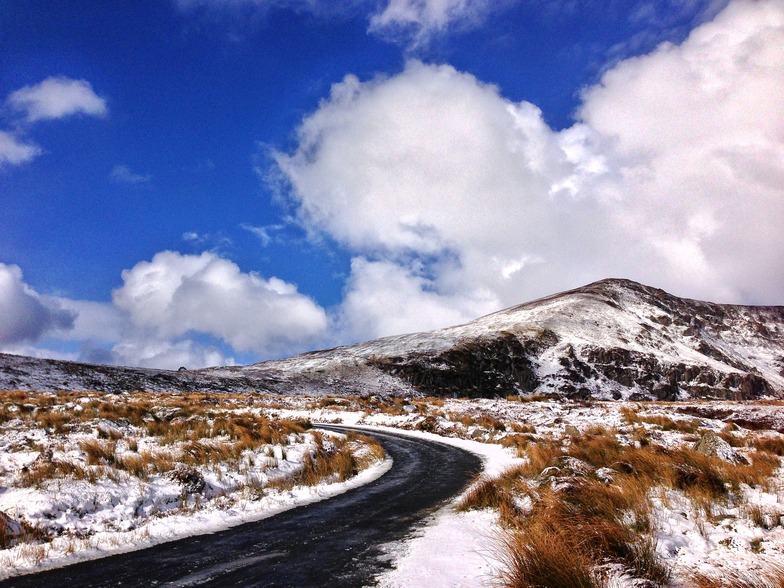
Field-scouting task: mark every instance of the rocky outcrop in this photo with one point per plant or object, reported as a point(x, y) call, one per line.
point(484, 367)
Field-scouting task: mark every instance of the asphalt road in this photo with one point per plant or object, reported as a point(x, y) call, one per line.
point(335, 543)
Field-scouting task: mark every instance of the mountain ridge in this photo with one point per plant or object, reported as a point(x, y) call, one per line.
point(611, 339)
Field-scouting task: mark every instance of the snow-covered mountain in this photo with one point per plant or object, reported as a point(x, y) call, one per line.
point(610, 339)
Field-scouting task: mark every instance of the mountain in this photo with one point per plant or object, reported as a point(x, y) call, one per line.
point(613, 339)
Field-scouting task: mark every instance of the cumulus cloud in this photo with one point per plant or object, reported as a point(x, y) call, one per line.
point(97, 322)
point(697, 134)
point(158, 353)
point(471, 195)
point(175, 310)
point(25, 316)
point(384, 298)
point(175, 294)
point(15, 152)
point(57, 97)
point(672, 175)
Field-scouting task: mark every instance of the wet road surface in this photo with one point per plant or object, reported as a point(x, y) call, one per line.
point(333, 543)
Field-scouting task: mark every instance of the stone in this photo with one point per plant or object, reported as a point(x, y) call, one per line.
point(711, 445)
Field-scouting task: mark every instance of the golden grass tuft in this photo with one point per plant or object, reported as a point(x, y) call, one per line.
point(772, 445)
point(771, 576)
point(98, 452)
point(485, 492)
point(41, 472)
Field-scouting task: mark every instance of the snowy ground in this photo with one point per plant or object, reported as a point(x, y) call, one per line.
point(745, 536)
point(76, 488)
point(454, 549)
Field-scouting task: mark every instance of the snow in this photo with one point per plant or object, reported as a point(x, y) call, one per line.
point(464, 549)
point(451, 549)
point(101, 543)
point(454, 549)
point(609, 315)
point(105, 509)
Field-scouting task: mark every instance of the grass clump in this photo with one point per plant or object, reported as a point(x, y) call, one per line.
point(772, 576)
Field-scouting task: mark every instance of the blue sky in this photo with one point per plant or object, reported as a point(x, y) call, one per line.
point(215, 181)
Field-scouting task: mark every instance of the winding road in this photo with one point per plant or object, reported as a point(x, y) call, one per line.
point(335, 543)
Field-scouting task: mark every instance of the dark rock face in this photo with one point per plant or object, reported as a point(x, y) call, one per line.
point(481, 368)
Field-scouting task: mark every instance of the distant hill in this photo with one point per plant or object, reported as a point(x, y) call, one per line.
point(613, 339)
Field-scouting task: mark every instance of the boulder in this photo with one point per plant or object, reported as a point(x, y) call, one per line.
point(712, 445)
point(10, 531)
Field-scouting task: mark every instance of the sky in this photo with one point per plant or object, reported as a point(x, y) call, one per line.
point(216, 182)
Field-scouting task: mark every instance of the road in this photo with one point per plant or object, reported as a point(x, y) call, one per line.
point(335, 543)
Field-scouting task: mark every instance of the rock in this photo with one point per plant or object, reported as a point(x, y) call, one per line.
point(191, 479)
point(10, 531)
point(569, 472)
point(711, 445)
point(605, 475)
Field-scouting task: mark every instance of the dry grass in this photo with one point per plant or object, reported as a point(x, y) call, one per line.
point(519, 442)
point(772, 576)
point(772, 445)
point(485, 492)
point(52, 420)
point(336, 462)
point(186, 430)
point(372, 452)
point(99, 452)
point(665, 423)
point(579, 521)
point(41, 472)
point(539, 558)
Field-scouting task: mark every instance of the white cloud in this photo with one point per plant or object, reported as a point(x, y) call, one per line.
point(122, 174)
point(697, 134)
point(415, 21)
point(674, 176)
point(383, 298)
point(97, 322)
point(159, 353)
point(14, 152)
point(162, 315)
point(411, 22)
point(57, 97)
point(423, 161)
point(264, 234)
point(25, 316)
point(433, 165)
point(175, 294)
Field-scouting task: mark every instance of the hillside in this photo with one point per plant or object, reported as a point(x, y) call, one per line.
point(610, 339)
point(613, 339)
